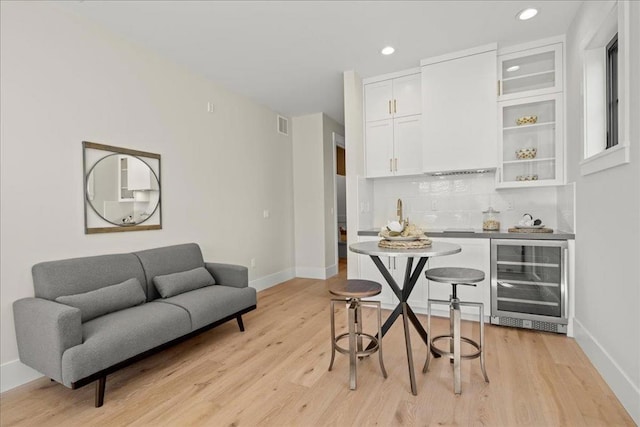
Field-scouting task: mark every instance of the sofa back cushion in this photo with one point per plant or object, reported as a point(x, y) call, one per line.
point(106, 300)
point(168, 260)
point(52, 279)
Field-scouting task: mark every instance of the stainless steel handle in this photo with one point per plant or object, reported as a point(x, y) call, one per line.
point(395, 164)
point(564, 290)
point(390, 165)
point(395, 106)
point(505, 284)
point(389, 106)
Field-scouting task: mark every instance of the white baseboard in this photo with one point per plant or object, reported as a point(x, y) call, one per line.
point(622, 386)
point(14, 374)
point(331, 271)
point(265, 282)
point(311, 272)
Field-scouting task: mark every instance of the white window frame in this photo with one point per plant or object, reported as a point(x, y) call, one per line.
point(596, 157)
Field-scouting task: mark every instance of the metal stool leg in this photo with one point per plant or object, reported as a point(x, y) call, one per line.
point(456, 346)
point(333, 334)
point(426, 362)
point(484, 372)
point(352, 345)
point(358, 318)
point(384, 371)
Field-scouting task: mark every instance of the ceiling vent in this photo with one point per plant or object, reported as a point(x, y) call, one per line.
point(283, 125)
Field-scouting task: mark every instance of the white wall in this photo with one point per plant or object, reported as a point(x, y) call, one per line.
point(315, 227)
point(64, 80)
point(607, 319)
point(354, 141)
point(308, 170)
point(329, 127)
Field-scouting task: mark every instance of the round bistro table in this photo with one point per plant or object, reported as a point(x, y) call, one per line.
point(410, 279)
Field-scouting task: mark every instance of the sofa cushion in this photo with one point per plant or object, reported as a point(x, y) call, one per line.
point(52, 279)
point(212, 303)
point(120, 335)
point(167, 260)
point(177, 283)
point(106, 300)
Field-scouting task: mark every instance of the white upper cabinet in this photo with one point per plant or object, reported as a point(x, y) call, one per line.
point(393, 129)
point(459, 111)
point(531, 116)
point(530, 72)
point(394, 97)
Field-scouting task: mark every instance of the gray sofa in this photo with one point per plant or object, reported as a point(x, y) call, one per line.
point(92, 316)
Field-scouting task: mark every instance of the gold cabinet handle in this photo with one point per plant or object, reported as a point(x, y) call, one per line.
point(390, 165)
point(389, 106)
point(396, 164)
point(498, 87)
point(395, 106)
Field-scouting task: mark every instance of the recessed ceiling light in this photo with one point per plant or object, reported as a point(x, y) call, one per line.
point(513, 68)
point(387, 50)
point(528, 13)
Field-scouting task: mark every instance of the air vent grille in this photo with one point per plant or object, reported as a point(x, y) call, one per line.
point(530, 324)
point(465, 172)
point(283, 125)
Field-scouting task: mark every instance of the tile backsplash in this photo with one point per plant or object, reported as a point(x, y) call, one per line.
point(457, 201)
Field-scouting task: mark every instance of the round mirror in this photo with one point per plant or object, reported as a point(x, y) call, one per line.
point(123, 189)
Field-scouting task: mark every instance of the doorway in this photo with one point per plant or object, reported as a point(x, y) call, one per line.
point(340, 204)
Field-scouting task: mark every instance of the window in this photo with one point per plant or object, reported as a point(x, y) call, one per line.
point(606, 72)
point(612, 92)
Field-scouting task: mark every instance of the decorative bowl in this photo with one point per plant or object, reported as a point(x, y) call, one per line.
point(527, 120)
point(526, 153)
point(527, 178)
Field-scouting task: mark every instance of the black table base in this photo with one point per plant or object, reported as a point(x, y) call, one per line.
point(411, 277)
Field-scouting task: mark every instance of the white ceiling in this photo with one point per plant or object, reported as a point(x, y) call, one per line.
point(290, 55)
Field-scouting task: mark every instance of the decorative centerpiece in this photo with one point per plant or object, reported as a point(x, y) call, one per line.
point(527, 120)
point(403, 235)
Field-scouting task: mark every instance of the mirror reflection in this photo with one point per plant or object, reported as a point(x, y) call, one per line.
point(123, 190)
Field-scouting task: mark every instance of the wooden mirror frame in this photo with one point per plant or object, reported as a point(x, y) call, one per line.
point(91, 216)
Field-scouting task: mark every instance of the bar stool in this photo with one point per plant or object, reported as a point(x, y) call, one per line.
point(456, 276)
point(351, 292)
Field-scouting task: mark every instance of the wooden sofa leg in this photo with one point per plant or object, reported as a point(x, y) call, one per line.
point(240, 324)
point(100, 386)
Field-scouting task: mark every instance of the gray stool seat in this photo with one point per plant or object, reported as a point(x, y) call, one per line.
point(355, 288)
point(456, 276)
point(351, 292)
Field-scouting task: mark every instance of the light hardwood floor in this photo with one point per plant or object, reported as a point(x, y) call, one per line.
point(275, 374)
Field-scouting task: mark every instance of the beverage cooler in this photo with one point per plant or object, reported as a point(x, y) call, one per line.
point(529, 284)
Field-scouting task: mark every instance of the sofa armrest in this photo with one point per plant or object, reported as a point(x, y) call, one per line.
point(229, 274)
point(44, 330)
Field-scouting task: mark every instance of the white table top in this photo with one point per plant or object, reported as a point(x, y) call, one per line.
point(436, 249)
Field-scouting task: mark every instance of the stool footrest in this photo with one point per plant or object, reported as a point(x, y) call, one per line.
point(359, 353)
point(450, 354)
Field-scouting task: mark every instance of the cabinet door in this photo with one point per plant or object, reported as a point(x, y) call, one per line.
point(378, 100)
point(407, 96)
point(476, 253)
point(138, 174)
point(458, 110)
point(369, 271)
point(379, 148)
point(531, 153)
point(530, 72)
point(407, 132)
